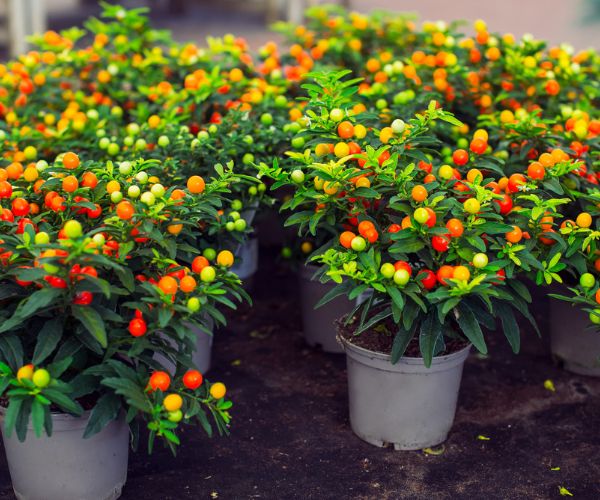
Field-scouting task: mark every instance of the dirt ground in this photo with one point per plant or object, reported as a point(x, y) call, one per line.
point(291, 436)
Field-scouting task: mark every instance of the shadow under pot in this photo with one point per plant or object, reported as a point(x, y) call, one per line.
point(405, 405)
point(572, 340)
point(65, 466)
point(318, 325)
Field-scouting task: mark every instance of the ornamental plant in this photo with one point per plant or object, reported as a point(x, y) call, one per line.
point(101, 284)
point(442, 255)
point(581, 287)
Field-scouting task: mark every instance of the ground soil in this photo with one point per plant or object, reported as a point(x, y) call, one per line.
point(291, 437)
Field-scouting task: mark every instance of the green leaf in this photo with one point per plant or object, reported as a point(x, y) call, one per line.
point(401, 341)
point(131, 391)
point(509, 325)
point(333, 293)
point(409, 313)
point(62, 400)
point(377, 318)
point(494, 228)
point(37, 417)
point(521, 289)
point(47, 340)
point(92, 321)
point(171, 436)
point(12, 412)
point(36, 301)
point(431, 329)
point(106, 410)
point(470, 327)
point(396, 296)
point(11, 348)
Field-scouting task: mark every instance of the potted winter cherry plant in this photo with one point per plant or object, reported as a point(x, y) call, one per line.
point(440, 253)
point(100, 273)
point(575, 310)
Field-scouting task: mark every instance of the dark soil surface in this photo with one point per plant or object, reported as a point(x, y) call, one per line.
point(291, 437)
point(380, 338)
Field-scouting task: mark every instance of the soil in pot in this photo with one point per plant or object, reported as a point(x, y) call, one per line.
point(405, 405)
point(380, 338)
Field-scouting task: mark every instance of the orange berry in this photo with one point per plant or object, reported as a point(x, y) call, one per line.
point(455, 228)
point(515, 235)
point(196, 184)
point(70, 184)
point(346, 239)
point(70, 160)
point(168, 285)
point(345, 130)
point(445, 272)
point(364, 226)
point(187, 284)
point(419, 193)
point(89, 180)
point(125, 210)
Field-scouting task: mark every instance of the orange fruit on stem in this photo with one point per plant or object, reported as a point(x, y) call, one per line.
point(70, 160)
point(70, 184)
point(187, 284)
point(346, 239)
point(168, 285)
point(125, 210)
point(196, 184)
point(160, 380)
point(419, 193)
point(515, 235)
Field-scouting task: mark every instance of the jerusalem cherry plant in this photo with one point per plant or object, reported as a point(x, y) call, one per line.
point(581, 284)
point(102, 282)
point(442, 255)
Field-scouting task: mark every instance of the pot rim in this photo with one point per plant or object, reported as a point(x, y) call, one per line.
point(57, 415)
point(406, 360)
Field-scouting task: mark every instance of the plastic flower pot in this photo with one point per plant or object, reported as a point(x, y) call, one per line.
point(65, 466)
point(572, 340)
point(250, 213)
point(318, 325)
point(246, 259)
point(406, 404)
point(202, 355)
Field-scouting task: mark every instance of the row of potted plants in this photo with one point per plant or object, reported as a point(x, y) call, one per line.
point(430, 176)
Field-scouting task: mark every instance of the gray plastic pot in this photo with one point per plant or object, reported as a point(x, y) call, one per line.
point(406, 405)
point(65, 466)
point(202, 355)
point(571, 339)
point(246, 259)
point(318, 325)
point(250, 213)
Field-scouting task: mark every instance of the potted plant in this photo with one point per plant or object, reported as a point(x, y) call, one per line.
point(575, 312)
point(99, 273)
point(440, 250)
